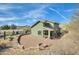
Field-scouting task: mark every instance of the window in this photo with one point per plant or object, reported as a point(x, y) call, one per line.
point(39, 32)
point(45, 32)
point(47, 25)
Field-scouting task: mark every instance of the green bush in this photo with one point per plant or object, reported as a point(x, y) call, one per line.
point(5, 27)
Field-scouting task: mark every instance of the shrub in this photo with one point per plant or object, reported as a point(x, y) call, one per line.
point(11, 38)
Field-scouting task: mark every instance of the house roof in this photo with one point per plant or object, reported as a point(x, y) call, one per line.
point(43, 21)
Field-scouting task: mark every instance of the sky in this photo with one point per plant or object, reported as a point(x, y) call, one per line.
point(22, 14)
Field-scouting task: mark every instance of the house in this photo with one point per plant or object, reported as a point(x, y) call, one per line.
point(46, 29)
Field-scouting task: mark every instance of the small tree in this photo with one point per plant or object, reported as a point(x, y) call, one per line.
point(13, 26)
point(11, 38)
point(5, 27)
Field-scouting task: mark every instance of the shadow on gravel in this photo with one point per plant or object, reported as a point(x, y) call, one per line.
point(4, 49)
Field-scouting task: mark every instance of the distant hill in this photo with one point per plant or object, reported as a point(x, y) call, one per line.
point(23, 27)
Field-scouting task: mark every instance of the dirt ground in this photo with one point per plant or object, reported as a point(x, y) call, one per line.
point(28, 41)
point(33, 41)
point(67, 45)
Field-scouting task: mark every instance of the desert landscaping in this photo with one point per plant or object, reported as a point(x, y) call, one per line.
point(35, 45)
point(41, 36)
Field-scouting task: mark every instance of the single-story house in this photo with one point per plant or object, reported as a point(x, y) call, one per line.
point(46, 29)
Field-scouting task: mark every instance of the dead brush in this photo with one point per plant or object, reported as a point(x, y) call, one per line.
point(11, 38)
point(3, 43)
point(32, 48)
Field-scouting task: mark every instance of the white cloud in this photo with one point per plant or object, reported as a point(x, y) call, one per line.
point(34, 20)
point(7, 14)
point(68, 10)
point(9, 18)
point(10, 23)
point(6, 7)
point(36, 14)
point(71, 10)
point(65, 18)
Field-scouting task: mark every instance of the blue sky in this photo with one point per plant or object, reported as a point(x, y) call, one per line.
point(28, 13)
